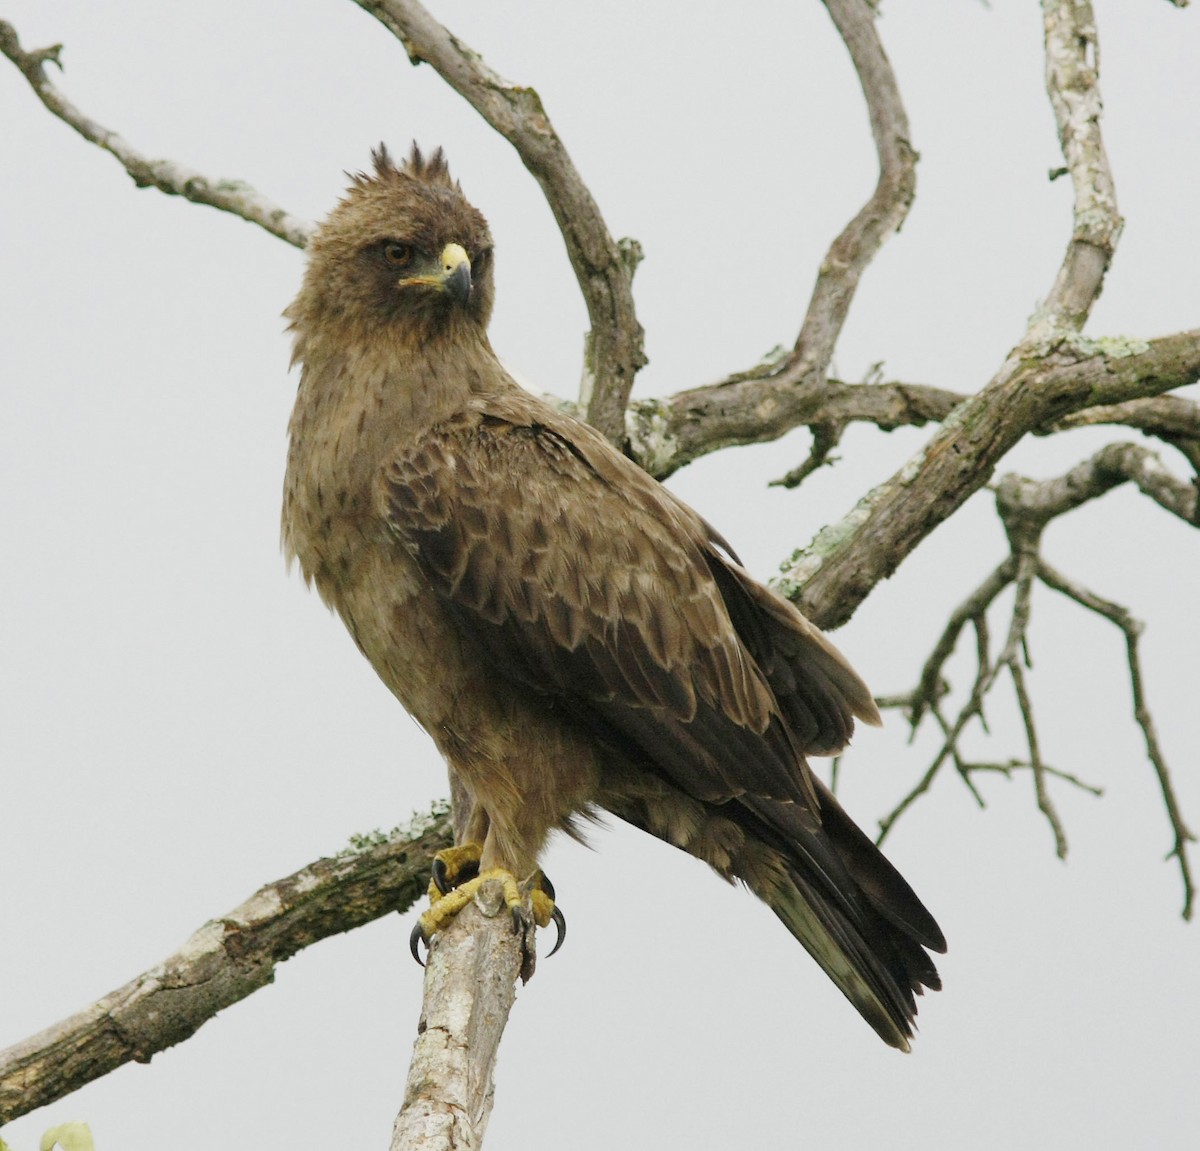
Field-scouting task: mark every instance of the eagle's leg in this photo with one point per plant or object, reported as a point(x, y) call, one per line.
point(456, 881)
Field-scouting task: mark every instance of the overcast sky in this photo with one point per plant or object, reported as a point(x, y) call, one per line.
point(180, 721)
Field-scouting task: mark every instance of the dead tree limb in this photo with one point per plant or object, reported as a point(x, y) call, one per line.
point(470, 984)
point(223, 962)
point(233, 196)
point(1026, 507)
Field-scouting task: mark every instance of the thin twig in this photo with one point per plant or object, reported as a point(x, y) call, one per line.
point(825, 437)
point(1045, 805)
point(1010, 765)
point(233, 196)
point(1015, 657)
point(973, 608)
point(961, 765)
point(927, 695)
point(1131, 629)
point(225, 961)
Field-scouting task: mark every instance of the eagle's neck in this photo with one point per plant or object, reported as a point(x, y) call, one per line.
point(362, 398)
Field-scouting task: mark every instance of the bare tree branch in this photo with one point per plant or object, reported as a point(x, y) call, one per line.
point(667, 434)
point(882, 214)
point(927, 695)
point(749, 407)
point(1097, 379)
point(1132, 630)
point(1026, 506)
point(223, 962)
point(1019, 569)
point(1031, 504)
point(1172, 419)
point(972, 610)
point(781, 391)
point(1166, 417)
point(1072, 83)
point(233, 196)
point(826, 436)
point(831, 577)
point(604, 267)
point(470, 986)
point(1044, 802)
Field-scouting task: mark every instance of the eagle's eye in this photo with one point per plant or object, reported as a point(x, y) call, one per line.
point(397, 254)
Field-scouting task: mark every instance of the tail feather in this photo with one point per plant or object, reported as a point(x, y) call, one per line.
point(853, 912)
point(873, 990)
point(825, 880)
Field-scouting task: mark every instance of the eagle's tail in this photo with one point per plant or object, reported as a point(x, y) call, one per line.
point(831, 886)
point(851, 909)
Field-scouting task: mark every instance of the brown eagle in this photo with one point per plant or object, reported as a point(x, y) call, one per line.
point(572, 637)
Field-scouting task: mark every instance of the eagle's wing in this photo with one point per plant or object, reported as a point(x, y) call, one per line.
point(582, 578)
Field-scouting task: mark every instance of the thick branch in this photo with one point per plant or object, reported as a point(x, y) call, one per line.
point(603, 266)
point(223, 962)
point(470, 985)
point(837, 571)
point(233, 196)
point(667, 434)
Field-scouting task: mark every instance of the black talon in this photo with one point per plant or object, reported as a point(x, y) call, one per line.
point(560, 923)
point(416, 939)
point(441, 875)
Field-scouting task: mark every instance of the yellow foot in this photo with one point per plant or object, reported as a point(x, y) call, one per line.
point(456, 881)
point(452, 866)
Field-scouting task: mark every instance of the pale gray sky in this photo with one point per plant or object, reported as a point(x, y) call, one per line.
point(180, 721)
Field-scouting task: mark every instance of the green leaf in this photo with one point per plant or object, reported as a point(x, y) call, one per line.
point(68, 1136)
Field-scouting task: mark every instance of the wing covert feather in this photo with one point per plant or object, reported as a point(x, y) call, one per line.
point(582, 578)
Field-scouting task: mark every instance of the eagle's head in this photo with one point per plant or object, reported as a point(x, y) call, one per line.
point(403, 254)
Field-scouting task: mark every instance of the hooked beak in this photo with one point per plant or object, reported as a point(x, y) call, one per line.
point(456, 272)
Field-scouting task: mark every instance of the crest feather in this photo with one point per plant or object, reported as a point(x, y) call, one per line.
point(433, 170)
